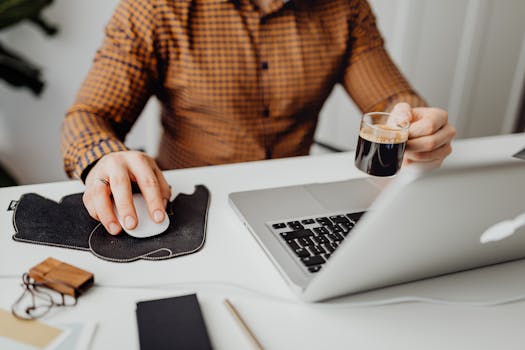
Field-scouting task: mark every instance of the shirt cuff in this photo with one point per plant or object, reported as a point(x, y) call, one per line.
point(88, 158)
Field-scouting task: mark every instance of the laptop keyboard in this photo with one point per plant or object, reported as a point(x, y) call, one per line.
point(314, 239)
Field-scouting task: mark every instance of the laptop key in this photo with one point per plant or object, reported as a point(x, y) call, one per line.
point(308, 222)
point(293, 244)
point(322, 249)
point(305, 242)
point(334, 228)
point(315, 250)
point(314, 269)
point(326, 237)
point(313, 260)
point(320, 239)
point(324, 221)
point(347, 227)
point(340, 219)
point(328, 247)
point(321, 230)
point(295, 225)
point(355, 216)
point(279, 225)
point(302, 253)
point(335, 237)
point(296, 234)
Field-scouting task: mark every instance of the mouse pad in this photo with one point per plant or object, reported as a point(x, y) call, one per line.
point(67, 224)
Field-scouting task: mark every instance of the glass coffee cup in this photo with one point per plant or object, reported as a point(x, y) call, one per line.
point(381, 143)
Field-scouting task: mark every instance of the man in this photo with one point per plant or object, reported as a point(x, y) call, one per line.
point(238, 80)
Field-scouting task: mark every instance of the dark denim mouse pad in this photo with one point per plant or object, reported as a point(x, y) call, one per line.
point(67, 224)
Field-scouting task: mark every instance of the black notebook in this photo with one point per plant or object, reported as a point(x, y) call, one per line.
point(172, 323)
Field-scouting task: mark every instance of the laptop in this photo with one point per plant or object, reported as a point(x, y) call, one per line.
point(334, 239)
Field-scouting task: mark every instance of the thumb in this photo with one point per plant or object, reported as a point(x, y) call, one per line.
point(400, 115)
point(402, 112)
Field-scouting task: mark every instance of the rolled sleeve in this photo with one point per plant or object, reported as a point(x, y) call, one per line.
point(118, 85)
point(370, 77)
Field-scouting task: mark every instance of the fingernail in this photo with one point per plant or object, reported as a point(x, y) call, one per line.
point(113, 228)
point(158, 216)
point(129, 222)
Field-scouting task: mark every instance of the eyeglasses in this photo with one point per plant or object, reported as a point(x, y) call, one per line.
point(38, 299)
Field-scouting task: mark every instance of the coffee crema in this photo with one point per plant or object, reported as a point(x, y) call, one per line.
point(382, 133)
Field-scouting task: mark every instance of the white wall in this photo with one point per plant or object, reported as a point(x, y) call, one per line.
point(466, 56)
point(461, 55)
point(30, 126)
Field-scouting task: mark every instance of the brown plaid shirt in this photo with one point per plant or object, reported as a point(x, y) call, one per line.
point(235, 84)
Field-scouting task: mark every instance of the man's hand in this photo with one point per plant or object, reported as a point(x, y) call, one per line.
point(112, 175)
point(429, 134)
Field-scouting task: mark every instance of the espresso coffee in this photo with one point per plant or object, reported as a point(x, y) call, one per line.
point(380, 150)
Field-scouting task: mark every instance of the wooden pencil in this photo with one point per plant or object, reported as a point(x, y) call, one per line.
point(243, 324)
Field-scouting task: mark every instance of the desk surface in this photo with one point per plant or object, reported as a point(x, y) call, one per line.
point(232, 258)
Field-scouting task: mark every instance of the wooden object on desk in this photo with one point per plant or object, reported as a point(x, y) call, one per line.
point(62, 277)
point(243, 325)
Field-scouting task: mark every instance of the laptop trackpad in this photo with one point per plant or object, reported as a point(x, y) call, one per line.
point(351, 195)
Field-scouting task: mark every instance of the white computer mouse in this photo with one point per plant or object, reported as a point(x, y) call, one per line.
point(146, 227)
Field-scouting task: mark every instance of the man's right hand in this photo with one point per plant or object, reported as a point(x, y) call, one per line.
point(112, 176)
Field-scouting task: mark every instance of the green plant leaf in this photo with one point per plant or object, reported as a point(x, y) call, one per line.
point(14, 11)
point(6, 179)
point(45, 26)
point(19, 72)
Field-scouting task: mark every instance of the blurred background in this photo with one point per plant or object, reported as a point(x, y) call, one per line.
point(466, 56)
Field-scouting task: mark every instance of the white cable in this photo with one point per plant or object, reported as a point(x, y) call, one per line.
point(328, 305)
point(426, 300)
point(200, 285)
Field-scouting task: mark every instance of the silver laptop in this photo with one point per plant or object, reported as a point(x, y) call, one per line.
point(333, 239)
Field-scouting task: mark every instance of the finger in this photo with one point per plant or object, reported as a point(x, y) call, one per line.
point(96, 186)
point(123, 197)
point(426, 121)
point(401, 113)
point(165, 189)
point(92, 183)
point(435, 155)
point(88, 203)
point(432, 142)
point(402, 109)
point(103, 207)
point(149, 185)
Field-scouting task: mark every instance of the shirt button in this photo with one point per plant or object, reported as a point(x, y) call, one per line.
point(264, 65)
point(266, 112)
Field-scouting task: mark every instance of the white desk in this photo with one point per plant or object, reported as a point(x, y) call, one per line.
point(232, 255)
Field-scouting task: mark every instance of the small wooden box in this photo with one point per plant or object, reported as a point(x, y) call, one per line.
point(62, 277)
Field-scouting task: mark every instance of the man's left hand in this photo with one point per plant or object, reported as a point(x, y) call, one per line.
point(429, 136)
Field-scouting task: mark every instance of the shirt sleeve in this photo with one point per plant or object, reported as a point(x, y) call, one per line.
point(370, 77)
point(118, 85)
